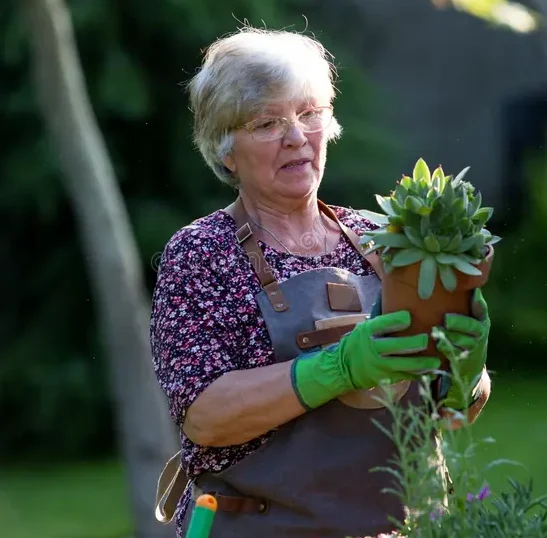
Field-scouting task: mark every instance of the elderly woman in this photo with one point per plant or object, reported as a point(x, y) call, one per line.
point(260, 330)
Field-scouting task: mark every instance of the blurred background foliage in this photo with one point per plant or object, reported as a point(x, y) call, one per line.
point(55, 402)
point(136, 61)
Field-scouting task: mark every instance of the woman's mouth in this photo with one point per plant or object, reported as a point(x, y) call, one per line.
point(296, 165)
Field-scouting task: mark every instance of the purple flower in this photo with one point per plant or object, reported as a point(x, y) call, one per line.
point(436, 514)
point(483, 493)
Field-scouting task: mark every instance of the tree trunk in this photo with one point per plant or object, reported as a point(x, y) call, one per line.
point(147, 436)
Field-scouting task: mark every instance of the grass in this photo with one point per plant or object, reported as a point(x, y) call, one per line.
point(89, 500)
point(515, 417)
point(73, 501)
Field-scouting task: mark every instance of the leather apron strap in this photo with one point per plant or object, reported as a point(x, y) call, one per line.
point(353, 238)
point(171, 485)
point(245, 237)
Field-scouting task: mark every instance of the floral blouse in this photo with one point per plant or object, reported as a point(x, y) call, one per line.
point(205, 321)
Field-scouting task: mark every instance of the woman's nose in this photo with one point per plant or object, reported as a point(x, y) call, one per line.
point(295, 136)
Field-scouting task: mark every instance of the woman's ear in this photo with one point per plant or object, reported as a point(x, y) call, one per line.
point(230, 163)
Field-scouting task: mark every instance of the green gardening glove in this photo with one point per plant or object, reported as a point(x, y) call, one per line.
point(361, 360)
point(466, 337)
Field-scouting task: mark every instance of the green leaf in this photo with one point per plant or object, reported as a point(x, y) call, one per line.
point(438, 210)
point(414, 237)
point(455, 243)
point(476, 252)
point(424, 225)
point(397, 207)
point(448, 194)
point(466, 268)
point(448, 221)
point(470, 259)
point(437, 178)
point(457, 207)
point(397, 240)
point(486, 233)
point(432, 195)
point(424, 211)
point(412, 219)
point(421, 170)
point(493, 240)
point(474, 205)
point(427, 277)
point(471, 242)
point(448, 277)
point(444, 240)
point(461, 175)
point(437, 173)
point(483, 215)
point(466, 226)
point(407, 256)
point(406, 182)
point(465, 202)
point(396, 221)
point(376, 218)
point(413, 204)
point(423, 187)
point(400, 194)
point(446, 259)
point(431, 243)
point(385, 204)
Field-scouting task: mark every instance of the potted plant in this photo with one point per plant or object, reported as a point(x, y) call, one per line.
point(433, 245)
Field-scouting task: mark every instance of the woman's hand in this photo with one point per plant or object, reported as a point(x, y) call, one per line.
point(465, 345)
point(362, 359)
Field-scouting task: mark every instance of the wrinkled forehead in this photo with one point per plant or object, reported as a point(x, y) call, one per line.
point(282, 87)
point(285, 101)
point(288, 107)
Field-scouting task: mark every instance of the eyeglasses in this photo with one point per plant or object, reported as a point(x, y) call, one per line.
point(268, 128)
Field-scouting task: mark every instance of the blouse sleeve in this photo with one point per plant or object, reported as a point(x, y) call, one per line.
point(193, 329)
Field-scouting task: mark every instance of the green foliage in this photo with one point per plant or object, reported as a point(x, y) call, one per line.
point(470, 508)
point(434, 220)
point(53, 385)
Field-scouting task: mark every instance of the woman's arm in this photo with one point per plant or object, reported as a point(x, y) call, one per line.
point(242, 405)
point(196, 336)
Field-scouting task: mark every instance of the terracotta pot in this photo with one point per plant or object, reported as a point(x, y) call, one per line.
point(400, 292)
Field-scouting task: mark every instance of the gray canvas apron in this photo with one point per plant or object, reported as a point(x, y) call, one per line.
point(313, 477)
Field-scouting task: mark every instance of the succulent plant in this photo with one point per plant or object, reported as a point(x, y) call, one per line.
point(434, 220)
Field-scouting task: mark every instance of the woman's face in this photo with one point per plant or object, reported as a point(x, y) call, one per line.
point(287, 168)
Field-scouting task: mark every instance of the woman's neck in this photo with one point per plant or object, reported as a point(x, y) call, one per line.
point(299, 227)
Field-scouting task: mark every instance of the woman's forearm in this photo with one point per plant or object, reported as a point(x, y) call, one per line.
point(242, 405)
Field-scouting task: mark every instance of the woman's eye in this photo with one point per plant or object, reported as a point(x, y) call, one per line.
point(266, 124)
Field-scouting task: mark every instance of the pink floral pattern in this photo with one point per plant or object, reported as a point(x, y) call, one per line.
point(205, 321)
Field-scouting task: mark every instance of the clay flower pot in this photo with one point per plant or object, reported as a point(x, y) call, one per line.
point(400, 292)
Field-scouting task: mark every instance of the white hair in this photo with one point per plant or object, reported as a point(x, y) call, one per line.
point(245, 72)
